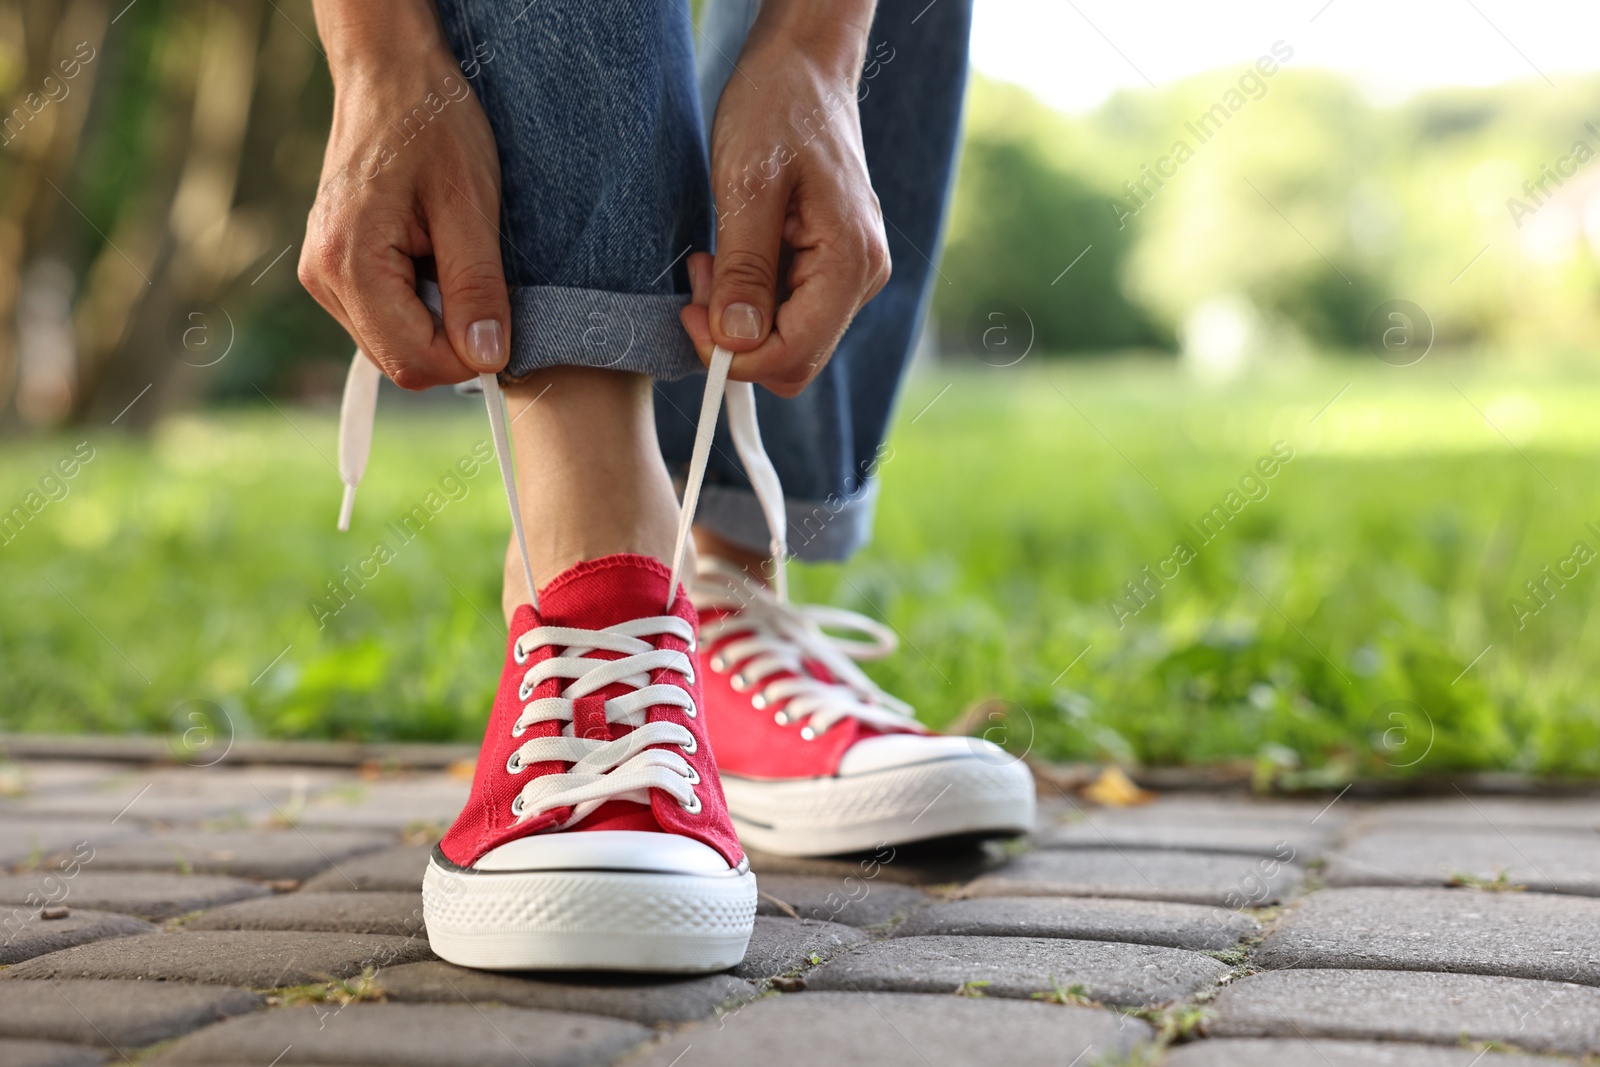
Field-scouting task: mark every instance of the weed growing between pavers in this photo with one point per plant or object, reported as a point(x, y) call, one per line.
point(361, 989)
point(1145, 1054)
point(1500, 883)
point(1076, 993)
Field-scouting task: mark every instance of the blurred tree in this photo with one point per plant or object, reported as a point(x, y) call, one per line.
point(174, 202)
point(1027, 234)
point(1262, 211)
point(47, 75)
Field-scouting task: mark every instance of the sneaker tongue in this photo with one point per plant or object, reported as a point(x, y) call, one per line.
point(604, 592)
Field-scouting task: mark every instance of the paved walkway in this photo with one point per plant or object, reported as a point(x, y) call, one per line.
point(271, 915)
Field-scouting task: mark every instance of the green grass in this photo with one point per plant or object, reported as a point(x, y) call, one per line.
point(1326, 630)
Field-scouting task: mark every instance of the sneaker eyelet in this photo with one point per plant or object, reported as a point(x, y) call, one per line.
point(688, 675)
point(759, 702)
point(693, 807)
point(808, 733)
point(515, 765)
point(524, 691)
point(718, 664)
point(517, 807)
point(519, 655)
point(694, 775)
point(518, 730)
point(781, 718)
point(739, 683)
point(692, 747)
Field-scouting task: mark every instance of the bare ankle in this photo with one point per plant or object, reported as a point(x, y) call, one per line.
point(590, 475)
point(757, 565)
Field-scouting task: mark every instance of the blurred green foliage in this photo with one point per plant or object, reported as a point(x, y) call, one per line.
point(1355, 618)
point(1309, 202)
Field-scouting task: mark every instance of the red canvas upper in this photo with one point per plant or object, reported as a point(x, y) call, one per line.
point(592, 595)
point(750, 741)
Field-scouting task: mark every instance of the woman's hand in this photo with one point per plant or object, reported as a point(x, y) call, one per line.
point(800, 239)
point(410, 171)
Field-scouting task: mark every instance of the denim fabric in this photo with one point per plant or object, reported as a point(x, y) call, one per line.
point(605, 186)
point(827, 443)
point(603, 172)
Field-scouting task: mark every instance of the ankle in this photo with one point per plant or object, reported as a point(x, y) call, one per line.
point(591, 478)
point(712, 545)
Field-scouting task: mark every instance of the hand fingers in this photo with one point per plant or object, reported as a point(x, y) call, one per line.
point(368, 281)
point(744, 278)
point(696, 315)
point(829, 284)
point(472, 283)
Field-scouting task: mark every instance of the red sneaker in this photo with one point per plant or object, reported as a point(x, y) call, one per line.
point(815, 758)
point(596, 835)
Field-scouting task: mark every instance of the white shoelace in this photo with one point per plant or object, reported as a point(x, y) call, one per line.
point(776, 639)
point(626, 768)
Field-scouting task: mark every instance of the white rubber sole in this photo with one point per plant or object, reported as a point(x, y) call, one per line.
point(588, 920)
point(939, 798)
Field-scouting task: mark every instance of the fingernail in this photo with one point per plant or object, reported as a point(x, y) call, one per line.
point(486, 343)
point(742, 321)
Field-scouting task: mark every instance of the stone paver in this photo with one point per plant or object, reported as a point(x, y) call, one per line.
point(856, 1030)
point(1226, 881)
point(850, 900)
point(1124, 975)
point(34, 839)
point(1486, 813)
point(647, 999)
point(1285, 831)
point(30, 778)
point(1548, 861)
point(1439, 1009)
point(148, 895)
point(25, 934)
point(1139, 922)
point(781, 945)
point(183, 795)
point(404, 804)
point(1525, 935)
point(409, 1035)
point(123, 1014)
point(918, 864)
point(1321, 1052)
point(1115, 905)
point(351, 913)
point(256, 958)
point(48, 1054)
point(392, 869)
point(276, 854)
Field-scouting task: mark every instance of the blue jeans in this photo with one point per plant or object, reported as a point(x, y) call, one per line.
point(599, 111)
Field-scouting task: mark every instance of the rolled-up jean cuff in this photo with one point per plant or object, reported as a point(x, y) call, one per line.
point(554, 326)
point(820, 531)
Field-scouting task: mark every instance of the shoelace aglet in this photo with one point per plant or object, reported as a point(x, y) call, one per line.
point(355, 429)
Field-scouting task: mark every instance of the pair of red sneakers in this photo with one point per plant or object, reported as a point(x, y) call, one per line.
point(601, 833)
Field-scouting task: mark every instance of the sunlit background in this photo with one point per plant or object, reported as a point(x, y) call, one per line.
point(1185, 237)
